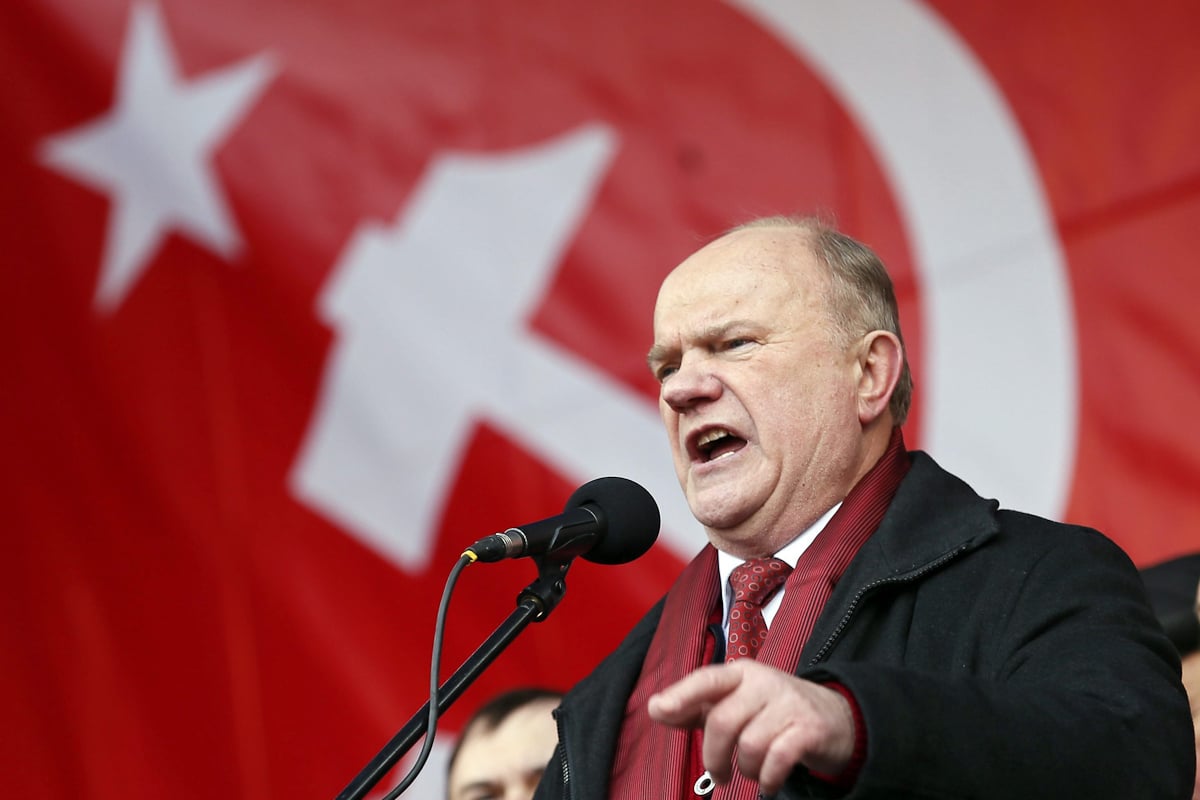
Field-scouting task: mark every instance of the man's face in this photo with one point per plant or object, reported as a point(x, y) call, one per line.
point(507, 762)
point(759, 403)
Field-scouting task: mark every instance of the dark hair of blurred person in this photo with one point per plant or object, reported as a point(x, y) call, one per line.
point(504, 747)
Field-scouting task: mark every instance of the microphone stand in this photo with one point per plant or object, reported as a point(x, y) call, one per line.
point(534, 604)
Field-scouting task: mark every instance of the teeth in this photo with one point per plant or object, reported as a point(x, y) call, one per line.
point(712, 436)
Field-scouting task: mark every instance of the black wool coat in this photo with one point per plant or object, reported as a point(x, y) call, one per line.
point(993, 654)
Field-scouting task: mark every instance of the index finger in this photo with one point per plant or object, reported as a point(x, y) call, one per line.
point(686, 702)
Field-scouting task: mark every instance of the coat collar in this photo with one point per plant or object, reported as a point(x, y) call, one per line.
point(934, 518)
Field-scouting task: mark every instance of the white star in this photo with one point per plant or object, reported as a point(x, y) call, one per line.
point(474, 249)
point(152, 153)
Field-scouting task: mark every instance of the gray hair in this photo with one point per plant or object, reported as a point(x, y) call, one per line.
point(861, 297)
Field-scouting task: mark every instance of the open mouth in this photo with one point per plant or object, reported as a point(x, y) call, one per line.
point(717, 443)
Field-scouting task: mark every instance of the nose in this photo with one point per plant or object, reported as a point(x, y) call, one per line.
point(692, 383)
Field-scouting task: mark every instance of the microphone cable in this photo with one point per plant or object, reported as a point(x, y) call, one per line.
point(435, 663)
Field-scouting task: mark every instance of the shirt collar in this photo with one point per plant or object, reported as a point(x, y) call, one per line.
point(790, 553)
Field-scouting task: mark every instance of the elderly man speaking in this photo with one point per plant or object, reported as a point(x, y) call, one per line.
point(861, 623)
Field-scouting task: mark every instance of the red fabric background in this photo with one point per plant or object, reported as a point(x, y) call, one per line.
point(173, 622)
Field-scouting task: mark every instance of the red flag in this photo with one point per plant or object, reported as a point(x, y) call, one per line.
point(303, 299)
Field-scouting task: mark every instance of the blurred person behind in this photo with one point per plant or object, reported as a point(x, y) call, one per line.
point(504, 747)
point(1173, 587)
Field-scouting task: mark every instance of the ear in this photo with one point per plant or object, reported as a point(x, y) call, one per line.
point(880, 358)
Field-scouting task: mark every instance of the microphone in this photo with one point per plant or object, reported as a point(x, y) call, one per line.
point(607, 521)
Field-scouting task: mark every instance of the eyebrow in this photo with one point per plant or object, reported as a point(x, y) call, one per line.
point(660, 353)
point(489, 785)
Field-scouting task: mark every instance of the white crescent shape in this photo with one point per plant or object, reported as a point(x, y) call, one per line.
point(999, 384)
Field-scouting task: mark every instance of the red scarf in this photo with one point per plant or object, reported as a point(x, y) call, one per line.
point(657, 762)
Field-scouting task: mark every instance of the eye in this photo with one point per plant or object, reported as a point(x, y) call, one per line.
point(484, 793)
point(665, 371)
point(735, 343)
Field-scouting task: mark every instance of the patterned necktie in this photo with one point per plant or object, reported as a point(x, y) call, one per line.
point(752, 582)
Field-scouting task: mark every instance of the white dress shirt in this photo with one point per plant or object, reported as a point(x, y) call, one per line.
point(790, 553)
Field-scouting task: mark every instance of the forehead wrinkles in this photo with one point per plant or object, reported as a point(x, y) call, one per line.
point(770, 282)
point(767, 277)
point(696, 313)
